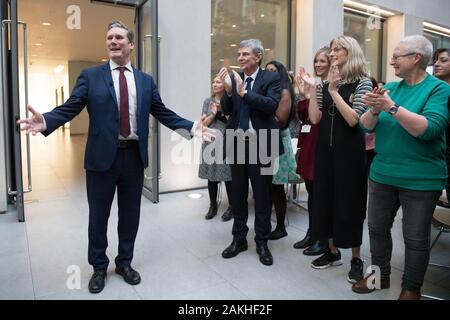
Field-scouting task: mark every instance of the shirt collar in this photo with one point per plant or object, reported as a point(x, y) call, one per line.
point(252, 75)
point(114, 66)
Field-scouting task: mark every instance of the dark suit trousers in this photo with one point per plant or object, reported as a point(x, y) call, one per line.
point(127, 175)
point(261, 185)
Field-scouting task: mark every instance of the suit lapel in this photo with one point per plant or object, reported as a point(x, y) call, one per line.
point(138, 80)
point(257, 82)
point(109, 82)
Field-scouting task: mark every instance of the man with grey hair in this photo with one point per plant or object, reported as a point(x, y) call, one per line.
point(251, 101)
point(413, 114)
point(119, 100)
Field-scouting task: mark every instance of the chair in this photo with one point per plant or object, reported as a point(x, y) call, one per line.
point(441, 221)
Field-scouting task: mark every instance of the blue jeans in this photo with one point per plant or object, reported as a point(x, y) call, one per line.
point(418, 208)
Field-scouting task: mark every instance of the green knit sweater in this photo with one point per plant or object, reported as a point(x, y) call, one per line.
point(402, 160)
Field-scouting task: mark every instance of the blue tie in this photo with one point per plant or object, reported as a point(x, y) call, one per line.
point(244, 117)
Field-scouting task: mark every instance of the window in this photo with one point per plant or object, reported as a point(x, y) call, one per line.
point(369, 34)
point(237, 20)
point(438, 40)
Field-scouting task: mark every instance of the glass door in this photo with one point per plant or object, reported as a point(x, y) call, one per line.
point(148, 58)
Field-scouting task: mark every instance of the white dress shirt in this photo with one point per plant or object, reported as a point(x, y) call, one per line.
point(132, 100)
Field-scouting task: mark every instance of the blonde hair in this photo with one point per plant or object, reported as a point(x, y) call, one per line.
point(355, 68)
point(326, 52)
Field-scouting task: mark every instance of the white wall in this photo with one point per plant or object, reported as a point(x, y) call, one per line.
point(79, 124)
point(185, 65)
point(436, 11)
point(318, 21)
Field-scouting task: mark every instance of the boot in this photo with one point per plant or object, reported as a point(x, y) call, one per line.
point(316, 249)
point(212, 211)
point(363, 287)
point(278, 233)
point(228, 214)
point(306, 242)
point(409, 295)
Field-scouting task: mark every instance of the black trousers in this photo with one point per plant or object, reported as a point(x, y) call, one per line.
point(261, 185)
point(127, 175)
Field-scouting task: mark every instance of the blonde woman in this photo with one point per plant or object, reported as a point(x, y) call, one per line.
point(340, 178)
point(215, 173)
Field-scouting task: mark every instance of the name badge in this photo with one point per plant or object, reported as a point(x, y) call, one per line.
point(306, 128)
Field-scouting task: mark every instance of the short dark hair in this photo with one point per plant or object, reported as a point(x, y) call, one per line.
point(120, 24)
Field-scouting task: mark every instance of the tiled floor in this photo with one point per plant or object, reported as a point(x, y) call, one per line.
point(178, 252)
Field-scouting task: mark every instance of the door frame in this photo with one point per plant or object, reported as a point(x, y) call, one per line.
point(10, 90)
point(154, 126)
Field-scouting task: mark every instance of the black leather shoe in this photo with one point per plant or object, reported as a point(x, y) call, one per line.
point(278, 233)
point(228, 214)
point(234, 248)
point(305, 243)
point(97, 282)
point(211, 212)
point(264, 254)
point(130, 275)
point(316, 249)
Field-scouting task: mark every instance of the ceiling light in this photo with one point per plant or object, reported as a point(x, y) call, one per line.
point(59, 68)
point(263, 15)
point(195, 196)
point(267, 49)
point(368, 8)
point(221, 60)
point(233, 45)
point(368, 40)
point(104, 60)
point(434, 28)
point(234, 26)
point(47, 24)
point(38, 44)
point(212, 34)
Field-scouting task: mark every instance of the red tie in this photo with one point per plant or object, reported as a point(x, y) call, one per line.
point(124, 105)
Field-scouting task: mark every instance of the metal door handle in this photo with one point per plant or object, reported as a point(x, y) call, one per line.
point(25, 69)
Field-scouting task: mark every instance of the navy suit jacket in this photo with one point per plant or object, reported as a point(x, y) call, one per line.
point(95, 89)
point(263, 101)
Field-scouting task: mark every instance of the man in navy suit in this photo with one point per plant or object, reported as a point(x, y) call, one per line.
point(119, 99)
point(251, 101)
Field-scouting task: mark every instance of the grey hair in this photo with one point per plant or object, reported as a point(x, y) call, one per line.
point(419, 44)
point(120, 24)
point(255, 45)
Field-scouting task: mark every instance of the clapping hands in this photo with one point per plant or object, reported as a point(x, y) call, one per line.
point(306, 84)
point(378, 99)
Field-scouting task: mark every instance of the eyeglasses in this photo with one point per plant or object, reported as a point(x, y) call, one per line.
point(395, 58)
point(336, 49)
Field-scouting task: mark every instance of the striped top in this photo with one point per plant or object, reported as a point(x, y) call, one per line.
point(364, 86)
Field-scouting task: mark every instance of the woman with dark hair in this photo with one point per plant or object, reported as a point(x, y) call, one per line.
point(287, 164)
point(441, 59)
point(307, 140)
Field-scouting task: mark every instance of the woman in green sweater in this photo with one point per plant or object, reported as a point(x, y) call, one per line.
point(409, 170)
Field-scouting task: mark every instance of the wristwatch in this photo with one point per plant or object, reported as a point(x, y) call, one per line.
point(393, 110)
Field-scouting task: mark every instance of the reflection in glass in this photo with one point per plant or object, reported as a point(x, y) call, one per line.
point(236, 20)
point(370, 38)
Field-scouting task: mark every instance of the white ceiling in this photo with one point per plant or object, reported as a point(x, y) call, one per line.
point(60, 43)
